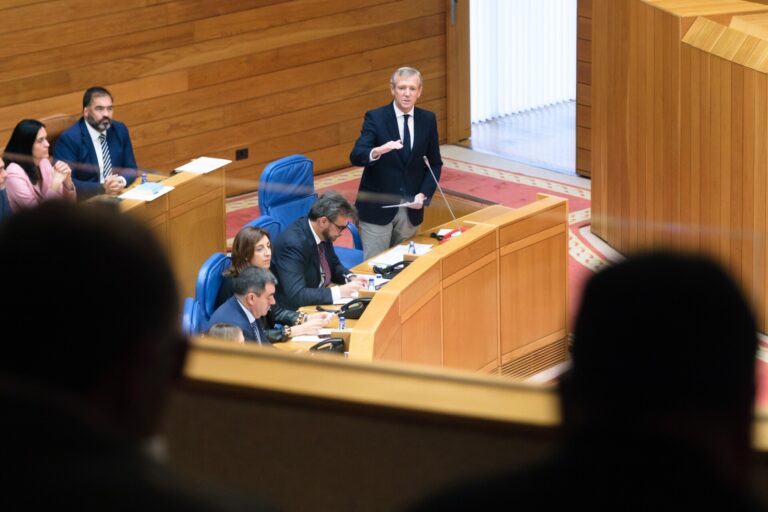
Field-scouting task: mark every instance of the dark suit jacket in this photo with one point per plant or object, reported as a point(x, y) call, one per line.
point(231, 313)
point(296, 264)
point(75, 147)
point(277, 314)
point(391, 178)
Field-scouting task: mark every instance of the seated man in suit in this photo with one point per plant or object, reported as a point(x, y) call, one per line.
point(304, 260)
point(254, 294)
point(392, 146)
point(97, 148)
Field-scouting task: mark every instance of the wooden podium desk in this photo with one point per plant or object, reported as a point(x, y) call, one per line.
point(492, 300)
point(189, 221)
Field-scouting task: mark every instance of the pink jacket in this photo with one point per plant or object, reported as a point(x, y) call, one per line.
point(23, 194)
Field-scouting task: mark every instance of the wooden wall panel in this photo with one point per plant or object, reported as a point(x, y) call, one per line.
point(583, 86)
point(678, 125)
point(194, 77)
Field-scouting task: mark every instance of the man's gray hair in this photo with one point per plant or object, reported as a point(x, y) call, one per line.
point(405, 72)
point(331, 205)
point(252, 279)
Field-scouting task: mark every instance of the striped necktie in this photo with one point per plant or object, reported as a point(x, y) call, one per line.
point(105, 156)
point(325, 268)
point(257, 330)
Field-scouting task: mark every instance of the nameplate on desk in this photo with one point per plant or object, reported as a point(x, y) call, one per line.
point(203, 164)
point(148, 191)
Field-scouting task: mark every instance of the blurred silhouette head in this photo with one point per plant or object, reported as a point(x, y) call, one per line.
point(100, 293)
point(663, 343)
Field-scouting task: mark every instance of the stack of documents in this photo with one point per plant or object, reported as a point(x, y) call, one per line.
point(397, 253)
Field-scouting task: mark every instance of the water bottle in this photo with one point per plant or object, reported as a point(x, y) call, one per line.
point(342, 323)
point(411, 248)
point(371, 284)
point(144, 177)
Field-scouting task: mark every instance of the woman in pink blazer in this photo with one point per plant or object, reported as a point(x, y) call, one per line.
point(31, 176)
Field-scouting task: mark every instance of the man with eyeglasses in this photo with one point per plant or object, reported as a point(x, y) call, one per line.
point(303, 258)
point(98, 148)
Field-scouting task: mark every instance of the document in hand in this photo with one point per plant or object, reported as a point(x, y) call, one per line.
point(400, 205)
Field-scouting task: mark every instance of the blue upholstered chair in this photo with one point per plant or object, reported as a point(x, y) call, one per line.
point(287, 191)
point(209, 281)
point(266, 223)
point(193, 322)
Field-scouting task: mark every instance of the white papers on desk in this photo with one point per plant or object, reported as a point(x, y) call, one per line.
point(203, 165)
point(395, 254)
point(306, 339)
point(139, 194)
point(321, 335)
point(400, 205)
point(344, 300)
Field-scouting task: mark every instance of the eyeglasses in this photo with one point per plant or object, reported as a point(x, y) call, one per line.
point(340, 228)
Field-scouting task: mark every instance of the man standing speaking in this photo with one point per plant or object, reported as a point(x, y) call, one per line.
point(392, 145)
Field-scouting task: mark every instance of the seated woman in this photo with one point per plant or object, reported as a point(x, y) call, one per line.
point(226, 332)
point(252, 246)
point(31, 177)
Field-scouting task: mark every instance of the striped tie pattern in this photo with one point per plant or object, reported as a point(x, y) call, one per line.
point(257, 331)
point(105, 156)
point(325, 267)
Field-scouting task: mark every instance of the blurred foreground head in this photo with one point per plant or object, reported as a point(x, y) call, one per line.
point(663, 343)
point(93, 297)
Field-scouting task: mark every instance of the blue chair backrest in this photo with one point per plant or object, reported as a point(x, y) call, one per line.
point(209, 281)
point(287, 189)
point(192, 318)
point(286, 213)
point(266, 223)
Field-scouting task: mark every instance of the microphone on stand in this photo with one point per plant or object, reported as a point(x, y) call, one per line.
point(459, 229)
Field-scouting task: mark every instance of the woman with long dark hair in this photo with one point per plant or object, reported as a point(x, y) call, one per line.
point(31, 176)
point(253, 247)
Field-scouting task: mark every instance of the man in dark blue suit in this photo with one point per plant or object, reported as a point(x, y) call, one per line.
point(392, 145)
point(304, 260)
point(254, 294)
point(98, 148)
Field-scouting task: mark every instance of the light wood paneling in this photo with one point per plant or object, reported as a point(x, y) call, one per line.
point(274, 76)
point(679, 131)
point(493, 299)
point(188, 220)
point(584, 87)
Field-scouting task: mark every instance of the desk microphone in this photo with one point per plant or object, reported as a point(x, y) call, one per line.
point(426, 161)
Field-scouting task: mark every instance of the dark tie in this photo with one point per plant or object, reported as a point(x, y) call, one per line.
point(105, 155)
point(406, 138)
point(256, 330)
point(325, 268)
